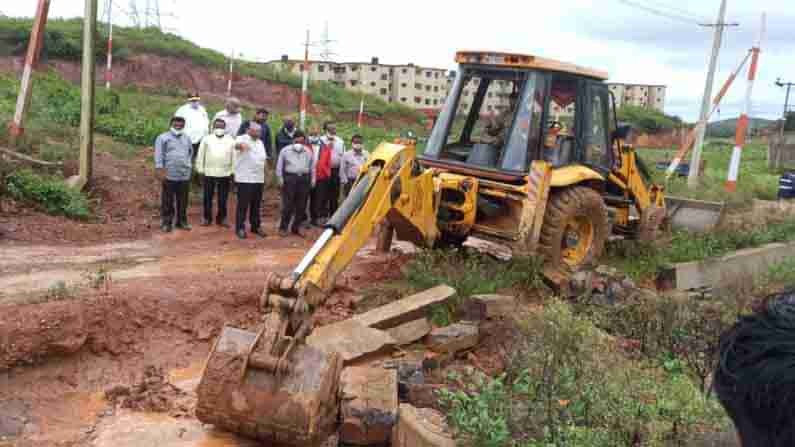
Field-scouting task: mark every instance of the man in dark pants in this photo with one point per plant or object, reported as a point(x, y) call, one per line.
point(296, 177)
point(214, 163)
point(261, 118)
point(250, 160)
point(337, 150)
point(173, 154)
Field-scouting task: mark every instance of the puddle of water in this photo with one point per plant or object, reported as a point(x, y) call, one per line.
point(187, 379)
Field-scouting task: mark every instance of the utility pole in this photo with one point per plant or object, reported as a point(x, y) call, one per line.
point(695, 161)
point(17, 126)
point(87, 98)
point(109, 68)
point(304, 82)
point(786, 103)
point(742, 123)
point(231, 72)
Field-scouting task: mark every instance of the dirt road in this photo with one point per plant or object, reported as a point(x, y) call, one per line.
point(153, 302)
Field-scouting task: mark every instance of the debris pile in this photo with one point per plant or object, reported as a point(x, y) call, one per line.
point(152, 394)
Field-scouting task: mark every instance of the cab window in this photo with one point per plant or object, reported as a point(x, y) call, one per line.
point(597, 151)
point(560, 138)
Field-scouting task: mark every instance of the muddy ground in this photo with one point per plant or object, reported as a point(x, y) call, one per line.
point(106, 305)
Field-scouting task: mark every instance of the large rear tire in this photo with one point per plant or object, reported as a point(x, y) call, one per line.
point(574, 233)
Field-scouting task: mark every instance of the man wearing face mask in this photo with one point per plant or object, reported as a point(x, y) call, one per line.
point(337, 150)
point(261, 118)
point(296, 177)
point(315, 195)
point(249, 170)
point(231, 115)
point(214, 162)
point(352, 162)
point(285, 136)
point(196, 120)
point(173, 153)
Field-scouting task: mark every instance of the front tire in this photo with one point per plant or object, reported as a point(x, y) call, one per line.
point(574, 232)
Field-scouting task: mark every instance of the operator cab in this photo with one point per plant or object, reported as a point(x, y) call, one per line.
point(506, 110)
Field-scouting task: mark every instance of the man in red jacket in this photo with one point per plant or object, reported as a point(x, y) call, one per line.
point(323, 183)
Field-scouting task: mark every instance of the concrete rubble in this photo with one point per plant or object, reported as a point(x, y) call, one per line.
point(410, 332)
point(405, 310)
point(486, 307)
point(421, 427)
point(369, 405)
point(454, 338)
point(351, 340)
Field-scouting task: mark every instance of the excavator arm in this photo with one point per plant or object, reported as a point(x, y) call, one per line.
point(390, 188)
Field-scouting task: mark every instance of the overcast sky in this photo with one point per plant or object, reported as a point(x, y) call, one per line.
point(633, 44)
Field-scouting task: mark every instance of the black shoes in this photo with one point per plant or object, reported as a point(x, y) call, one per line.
point(241, 234)
point(206, 222)
point(222, 223)
point(260, 232)
point(166, 228)
point(184, 227)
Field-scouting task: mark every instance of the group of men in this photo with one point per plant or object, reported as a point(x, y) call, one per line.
point(229, 152)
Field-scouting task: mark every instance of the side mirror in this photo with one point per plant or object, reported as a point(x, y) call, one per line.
point(622, 132)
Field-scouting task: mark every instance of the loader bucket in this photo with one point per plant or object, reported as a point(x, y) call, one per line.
point(241, 391)
point(694, 215)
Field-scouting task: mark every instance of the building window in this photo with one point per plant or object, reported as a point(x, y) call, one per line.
point(403, 85)
point(436, 88)
point(372, 84)
point(428, 87)
point(417, 99)
point(427, 102)
point(436, 75)
point(383, 91)
point(403, 99)
point(404, 71)
point(373, 68)
point(354, 68)
point(427, 74)
point(353, 83)
point(321, 68)
point(436, 102)
point(417, 72)
point(418, 86)
point(384, 77)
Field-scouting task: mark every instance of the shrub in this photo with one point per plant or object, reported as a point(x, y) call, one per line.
point(647, 120)
point(50, 193)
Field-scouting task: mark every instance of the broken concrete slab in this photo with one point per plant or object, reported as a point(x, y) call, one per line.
point(410, 332)
point(421, 427)
point(694, 215)
point(454, 338)
point(370, 405)
point(485, 307)
point(498, 251)
point(716, 272)
point(406, 309)
point(350, 339)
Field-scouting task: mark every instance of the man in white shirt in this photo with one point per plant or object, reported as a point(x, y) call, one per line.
point(249, 168)
point(338, 149)
point(352, 162)
point(214, 162)
point(196, 120)
point(231, 115)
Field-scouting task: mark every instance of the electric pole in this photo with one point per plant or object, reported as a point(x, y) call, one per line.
point(304, 82)
point(695, 161)
point(17, 126)
point(109, 67)
point(87, 98)
point(788, 85)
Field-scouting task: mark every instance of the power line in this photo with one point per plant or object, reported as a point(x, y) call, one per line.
point(657, 11)
point(678, 11)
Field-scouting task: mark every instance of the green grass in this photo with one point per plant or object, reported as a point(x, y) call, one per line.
point(644, 262)
point(63, 41)
point(755, 180)
point(50, 193)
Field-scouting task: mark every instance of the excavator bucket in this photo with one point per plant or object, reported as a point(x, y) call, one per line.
point(269, 386)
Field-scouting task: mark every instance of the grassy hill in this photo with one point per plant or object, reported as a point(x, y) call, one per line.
point(726, 128)
point(63, 41)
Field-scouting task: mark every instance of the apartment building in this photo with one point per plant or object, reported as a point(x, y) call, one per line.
point(416, 87)
point(639, 95)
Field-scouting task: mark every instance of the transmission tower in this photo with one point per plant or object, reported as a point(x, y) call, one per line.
point(325, 43)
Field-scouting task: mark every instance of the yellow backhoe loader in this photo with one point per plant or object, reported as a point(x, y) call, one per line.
point(526, 152)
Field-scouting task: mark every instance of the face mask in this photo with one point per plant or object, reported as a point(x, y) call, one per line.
point(177, 132)
point(219, 132)
point(194, 105)
point(357, 147)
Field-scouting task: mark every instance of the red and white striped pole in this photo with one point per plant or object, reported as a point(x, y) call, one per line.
point(361, 113)
point(109, 68)
point(691, 138)
point(304, 83)
point(742, 123)
point(17, 126)
point(231, 72)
